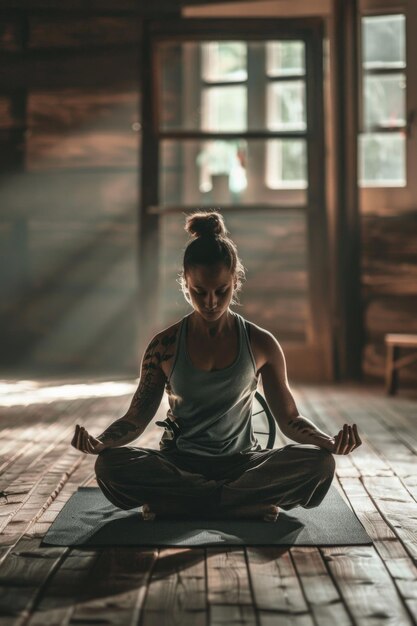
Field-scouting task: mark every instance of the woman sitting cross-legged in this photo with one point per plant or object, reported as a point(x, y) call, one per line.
point(209, 463)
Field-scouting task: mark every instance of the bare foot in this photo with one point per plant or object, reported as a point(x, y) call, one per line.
point(268, 512)
point(147, 514)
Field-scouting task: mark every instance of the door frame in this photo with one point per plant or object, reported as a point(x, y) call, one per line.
point(317, 365)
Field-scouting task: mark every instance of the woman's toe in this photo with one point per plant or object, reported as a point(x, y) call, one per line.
point(147, 514)
point(272, 513)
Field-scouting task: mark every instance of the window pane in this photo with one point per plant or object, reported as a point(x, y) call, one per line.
point(198, 171)
point(224, 108)
point(286, 165)
point(385, 100)
point(383, 40)
point(284, 58)
point(204, 173)
point(382, 159)
point(186, 101)
point(224, 61)
point(286, 105)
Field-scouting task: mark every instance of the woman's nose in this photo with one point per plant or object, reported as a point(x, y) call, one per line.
point(211, 301)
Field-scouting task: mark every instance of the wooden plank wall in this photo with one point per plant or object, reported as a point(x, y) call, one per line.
point(69, 162)
point(389, 286)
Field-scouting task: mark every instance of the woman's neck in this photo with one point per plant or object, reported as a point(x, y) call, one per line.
point(212, 330)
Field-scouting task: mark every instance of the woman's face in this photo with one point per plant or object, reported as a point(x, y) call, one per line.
point(210, 289)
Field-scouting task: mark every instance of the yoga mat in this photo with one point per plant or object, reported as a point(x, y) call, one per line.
point(89, 519)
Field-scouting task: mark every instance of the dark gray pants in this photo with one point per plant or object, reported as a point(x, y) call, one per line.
point(296, 474)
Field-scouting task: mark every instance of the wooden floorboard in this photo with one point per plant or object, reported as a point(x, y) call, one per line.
point(262, 586)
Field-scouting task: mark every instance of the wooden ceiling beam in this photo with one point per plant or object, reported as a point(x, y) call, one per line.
point(91, 7)
point(69, 68)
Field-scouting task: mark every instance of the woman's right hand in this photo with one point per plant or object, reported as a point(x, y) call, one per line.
point(85, 442)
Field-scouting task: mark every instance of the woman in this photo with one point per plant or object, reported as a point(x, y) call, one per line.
point(209, 463)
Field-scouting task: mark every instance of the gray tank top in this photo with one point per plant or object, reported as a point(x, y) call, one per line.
point(210, 413)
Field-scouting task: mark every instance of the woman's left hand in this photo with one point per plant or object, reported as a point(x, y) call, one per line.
point(346, 440)
point(85, 442)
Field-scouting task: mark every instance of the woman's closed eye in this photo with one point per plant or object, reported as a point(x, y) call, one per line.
point(219, 293)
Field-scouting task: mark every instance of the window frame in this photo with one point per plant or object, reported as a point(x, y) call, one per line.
point(386, 199)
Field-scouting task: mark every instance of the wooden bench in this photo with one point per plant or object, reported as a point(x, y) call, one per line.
point(394, 342)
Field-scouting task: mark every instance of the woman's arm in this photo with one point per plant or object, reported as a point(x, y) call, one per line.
point(144, 404)
point(282, 404)
point(142, 409)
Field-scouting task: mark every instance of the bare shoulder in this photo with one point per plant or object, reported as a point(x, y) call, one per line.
point(169, 334)
point(265, 346)
point(162, 346)
point(262, 338)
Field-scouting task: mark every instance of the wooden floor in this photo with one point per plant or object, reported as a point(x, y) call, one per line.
point(301, 586)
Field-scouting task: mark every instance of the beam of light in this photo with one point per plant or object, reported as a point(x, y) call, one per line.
point(29, 391)
point(61, 313)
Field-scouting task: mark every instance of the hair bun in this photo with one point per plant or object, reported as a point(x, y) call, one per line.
point(205, 224)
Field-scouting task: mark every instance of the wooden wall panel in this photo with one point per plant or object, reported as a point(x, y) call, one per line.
point(83, 280)
point(77, 129)
point(86, 32)
point(84, 254)
point(382, 276)
point(393, 237)
point(7, 118)
point(10, 34)
point(84, 150)
point(11, 150)
point(6, 275)
point(83, 287)
point(389, 287)
point(12, 133)
point(41, 69)
point(69, 191)
point(390, 314)
point(285, 316)
point(97, 335)
point(83, 109)
point(13, 112)
point(86, 195)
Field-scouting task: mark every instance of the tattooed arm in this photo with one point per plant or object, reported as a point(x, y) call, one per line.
point(282, 404)
point(143, 406)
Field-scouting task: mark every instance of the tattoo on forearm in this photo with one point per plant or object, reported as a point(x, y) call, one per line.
point(301, 426)
point(146, 396)
point(117, 430)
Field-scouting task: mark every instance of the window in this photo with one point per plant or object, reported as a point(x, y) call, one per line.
point(382, 146)
point(247, 101)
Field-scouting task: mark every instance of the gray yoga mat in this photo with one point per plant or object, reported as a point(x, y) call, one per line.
point(89, 519)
